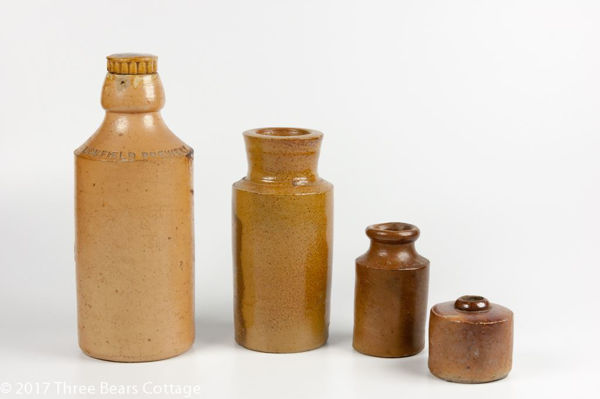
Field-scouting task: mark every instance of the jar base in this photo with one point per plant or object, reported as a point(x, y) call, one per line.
point(282, 351)
point(140, 359)
point(388, 355)
point(468, 381)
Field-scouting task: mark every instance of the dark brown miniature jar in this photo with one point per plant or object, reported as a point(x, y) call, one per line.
point(390, 305)
point(470, 340)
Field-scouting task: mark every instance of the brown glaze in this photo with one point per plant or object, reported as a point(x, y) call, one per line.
point(282, 243)
point(134, 225)
point(470, 340)
point(390, 305)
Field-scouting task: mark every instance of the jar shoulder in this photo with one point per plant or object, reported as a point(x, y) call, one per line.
point(447, 311)
point(374, 260)
point(320, 186)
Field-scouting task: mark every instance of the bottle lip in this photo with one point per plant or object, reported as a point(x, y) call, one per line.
point(393, 232)
point(283, 133)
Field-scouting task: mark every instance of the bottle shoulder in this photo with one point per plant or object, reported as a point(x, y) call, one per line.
point(133, 137)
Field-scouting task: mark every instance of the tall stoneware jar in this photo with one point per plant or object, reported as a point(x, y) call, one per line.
point(134, 245)
point(390, 305)
point(282, 243)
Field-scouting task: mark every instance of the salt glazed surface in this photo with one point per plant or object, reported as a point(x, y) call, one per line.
point(282, 243)
point(390, 305)
point(470, 340)
point(134, 245)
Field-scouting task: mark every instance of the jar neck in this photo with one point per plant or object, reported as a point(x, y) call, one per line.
point(394, 241)
point(132, 93)
point(402, 253)
point(282, 158)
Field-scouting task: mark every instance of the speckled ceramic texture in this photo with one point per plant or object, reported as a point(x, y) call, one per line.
point(282, 243)
point(134, 229)
point(470, 340)
point(390, 305)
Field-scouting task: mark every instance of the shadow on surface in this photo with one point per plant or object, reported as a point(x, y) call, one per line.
point(414, 365)
point(211, 331)
point(340, 339)
point(40, 341)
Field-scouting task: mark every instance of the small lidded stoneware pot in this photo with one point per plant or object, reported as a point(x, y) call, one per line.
point(470, 340)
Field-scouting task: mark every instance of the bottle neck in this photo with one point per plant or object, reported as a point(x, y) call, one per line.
point(126, 122)
point(283, 155)
point(132, 93)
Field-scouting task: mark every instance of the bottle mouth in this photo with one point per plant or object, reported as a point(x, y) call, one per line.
point(393, 232)
point(283, 133)
point(472, 303)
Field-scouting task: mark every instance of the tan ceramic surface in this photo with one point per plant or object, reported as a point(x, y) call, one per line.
point(390, 307)
point(134, 229)
point(282, 243)
point(470, 346)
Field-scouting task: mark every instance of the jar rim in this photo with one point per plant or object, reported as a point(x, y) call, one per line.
point(283, 133)
point(393, 232)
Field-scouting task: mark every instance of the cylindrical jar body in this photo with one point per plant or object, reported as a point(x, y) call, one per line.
point(282, 243)
point(470, 345)
point(134, 229)
point(390, 305)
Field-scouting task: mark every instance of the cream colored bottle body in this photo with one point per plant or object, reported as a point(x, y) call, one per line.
point(134, 228)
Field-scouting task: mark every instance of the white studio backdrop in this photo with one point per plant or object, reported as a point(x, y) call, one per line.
point(475, 120)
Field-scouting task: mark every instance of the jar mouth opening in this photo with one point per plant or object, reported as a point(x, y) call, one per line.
point(283, 133)
point(472, 303)
point(393, 232)
point(472, 298)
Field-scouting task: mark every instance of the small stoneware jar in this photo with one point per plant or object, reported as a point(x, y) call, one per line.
point(470, 340)
point(390, 304)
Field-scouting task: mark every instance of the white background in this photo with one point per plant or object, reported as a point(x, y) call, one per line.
point(478, 121)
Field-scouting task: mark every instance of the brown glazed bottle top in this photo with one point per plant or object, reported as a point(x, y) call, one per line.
point(393, 233)
point(473, 309)
point(131, 64)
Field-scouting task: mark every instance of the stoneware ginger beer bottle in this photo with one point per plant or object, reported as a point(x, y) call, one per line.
point(134, 224)
point(282, 237)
